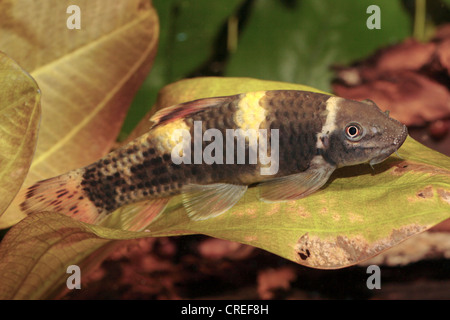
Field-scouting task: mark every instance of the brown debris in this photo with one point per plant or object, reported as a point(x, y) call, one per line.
point(444, 54)
point(216, 249)
point(272, 281)
point(439, 128)
point(410, 79)
point(394, 59)
point(411, 98)
point(443, 32)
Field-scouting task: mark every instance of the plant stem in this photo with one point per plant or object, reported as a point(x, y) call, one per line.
point(419, 20)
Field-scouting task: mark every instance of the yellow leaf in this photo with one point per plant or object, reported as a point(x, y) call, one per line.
point(19, 120)
point(88, 77)
point(57, 241)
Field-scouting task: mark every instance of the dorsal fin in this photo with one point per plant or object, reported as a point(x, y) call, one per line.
point(184, 109)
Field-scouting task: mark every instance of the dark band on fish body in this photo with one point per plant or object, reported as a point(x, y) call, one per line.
point(299, 119)
point(109, 192)
point(220, 117)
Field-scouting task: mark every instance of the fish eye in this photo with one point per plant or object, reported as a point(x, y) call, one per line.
point(353, 131)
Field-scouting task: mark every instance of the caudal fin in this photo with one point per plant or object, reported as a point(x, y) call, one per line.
point(62, 194)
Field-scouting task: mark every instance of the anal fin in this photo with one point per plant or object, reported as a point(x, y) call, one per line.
point(206, 201)
point(299, 185)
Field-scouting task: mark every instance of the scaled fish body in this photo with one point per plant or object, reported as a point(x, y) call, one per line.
point(307, 136)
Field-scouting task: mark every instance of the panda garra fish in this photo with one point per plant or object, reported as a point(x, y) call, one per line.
point(286, 143)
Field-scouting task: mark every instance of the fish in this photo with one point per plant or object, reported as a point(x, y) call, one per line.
point(211, 150)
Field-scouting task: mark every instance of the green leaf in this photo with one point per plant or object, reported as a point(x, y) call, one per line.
point(20, 111)
point(299, 44)
point(194, 25)
point(359, 213)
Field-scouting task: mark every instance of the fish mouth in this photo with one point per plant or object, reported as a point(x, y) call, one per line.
point(386, 152)
point(383, 155)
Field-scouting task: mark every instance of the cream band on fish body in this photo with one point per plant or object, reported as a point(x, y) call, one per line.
point(165, 136)
point(330, 123)
point(250, 113)
point(249, 117)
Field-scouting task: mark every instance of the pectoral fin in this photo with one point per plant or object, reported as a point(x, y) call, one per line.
point(206, 201)
point(299, 185)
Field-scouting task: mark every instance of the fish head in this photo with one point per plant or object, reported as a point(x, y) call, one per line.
point(362, 133)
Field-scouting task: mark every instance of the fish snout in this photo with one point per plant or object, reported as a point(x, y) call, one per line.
point(394, 145)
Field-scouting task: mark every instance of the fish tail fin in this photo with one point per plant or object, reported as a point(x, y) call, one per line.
point(62, 194)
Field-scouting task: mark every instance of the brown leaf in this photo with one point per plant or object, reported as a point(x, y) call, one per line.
point(216, 249)
point(443, 54)
point(393, 58)
point(443, 32)
point(410, 79)
point(410, 97)
point(439, 128)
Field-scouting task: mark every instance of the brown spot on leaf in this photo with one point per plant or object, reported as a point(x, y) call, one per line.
point(292, 207)
point(400, 169)
point(336, 217)
point(275, 208)
point(426, 193)
point(250, 238)
point(404, 167)
point(353, 217)
point(251, 212)
point(444, 195)
point(343, 251)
